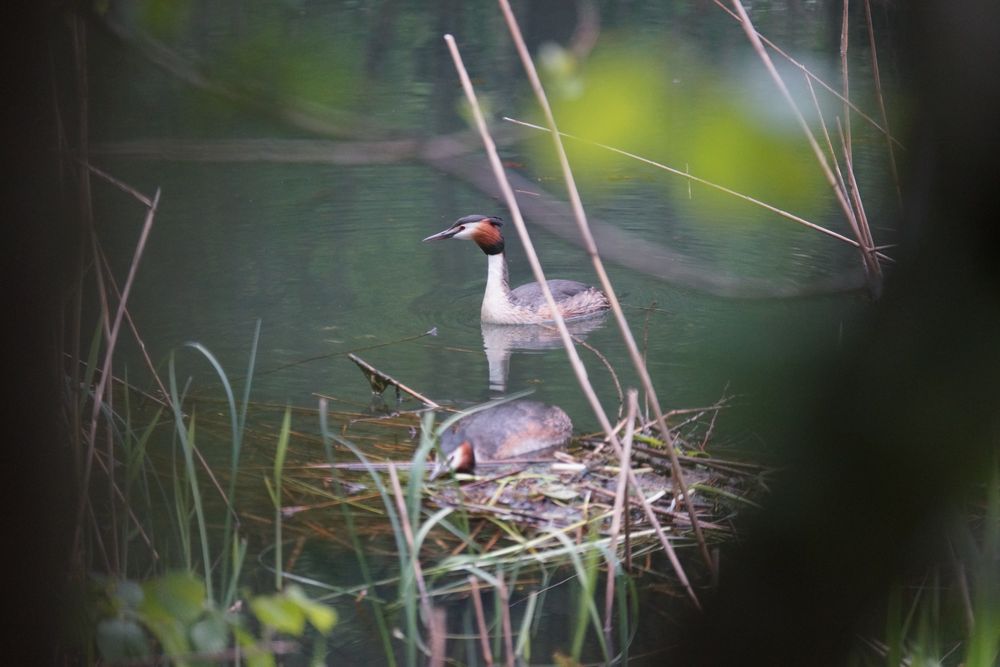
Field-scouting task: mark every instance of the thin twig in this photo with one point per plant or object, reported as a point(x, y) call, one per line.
point(616, 515)
point(477, 603)
point(404, 520)
point(575, 362)
point(845, 74)
point(855, 191)
point(611, 371)
point(721, 188)
point(645, 349)
point(881, 100)
point(124, 187)
point(591, 246)
point(135, 331)
point(829, 143)
point(439, 637)
point(508, 634)
point(109, 355)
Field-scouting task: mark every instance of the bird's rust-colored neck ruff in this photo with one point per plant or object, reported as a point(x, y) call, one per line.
point(488, 237)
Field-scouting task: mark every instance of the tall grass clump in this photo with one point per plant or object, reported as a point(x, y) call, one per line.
point(952, 616)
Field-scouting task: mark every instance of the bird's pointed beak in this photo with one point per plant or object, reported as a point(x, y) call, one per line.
point(446, 234)
point(460, 460)
point(440, 468)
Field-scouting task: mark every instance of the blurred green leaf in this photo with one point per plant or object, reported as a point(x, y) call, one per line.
point(171, 633)
point(671, 105)
point(321, 616)
point(620, 97)
point(733, 147)
point(179, 596)
point(280, 613)
point(210, 634)
point(312, 70)
point(164, 18)
point(129, 594)
point(260, 660)
point(121, 639)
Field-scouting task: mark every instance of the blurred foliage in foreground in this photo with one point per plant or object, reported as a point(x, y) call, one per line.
point(173, 614)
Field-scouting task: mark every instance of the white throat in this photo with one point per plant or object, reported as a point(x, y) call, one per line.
point(496, 302)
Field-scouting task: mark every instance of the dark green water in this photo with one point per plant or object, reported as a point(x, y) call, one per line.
point(329, 257)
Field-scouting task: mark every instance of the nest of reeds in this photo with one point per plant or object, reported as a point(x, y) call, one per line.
point(573, 490)
point(579, 487)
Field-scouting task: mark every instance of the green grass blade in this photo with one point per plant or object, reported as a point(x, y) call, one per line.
point(522, 650)
point(279, 466)
point(587, 576)
point(418, 464)
point(191, 474)
point(983, 648)
point(246, 387)
point(91, 367)
point(377, 607)
point(235, 443)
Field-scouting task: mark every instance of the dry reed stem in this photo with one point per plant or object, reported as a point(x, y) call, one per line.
point(404, 520)
point(108, 357)
point(618, 510)
point(591, 247)
point(826, 137)
point(86, 212)
point(855, 191)
point(574, 357)
point(873, 270)
point(101, 260)
point(477, 604)
point(881, 100)
point(135, 333)
point(121, 185)
point(845, 74)
point(132, 515)
point(721, 188)
point(611, 371)
point(108, 402)
point(508, 633)
point(439, 637)
point(96, 535)
point(805, 70)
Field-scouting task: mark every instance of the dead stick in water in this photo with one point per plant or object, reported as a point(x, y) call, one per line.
point(380, 381)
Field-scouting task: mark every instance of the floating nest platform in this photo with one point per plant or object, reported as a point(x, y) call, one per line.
point(580, 487)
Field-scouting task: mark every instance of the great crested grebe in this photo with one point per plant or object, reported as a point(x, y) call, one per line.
point(525, 304)
point(507, 431)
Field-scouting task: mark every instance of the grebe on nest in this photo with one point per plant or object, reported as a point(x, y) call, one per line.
point(525, 304)
point(507, 431)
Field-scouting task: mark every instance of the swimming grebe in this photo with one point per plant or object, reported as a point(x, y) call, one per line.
point(507, 431)
point(525, 304)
